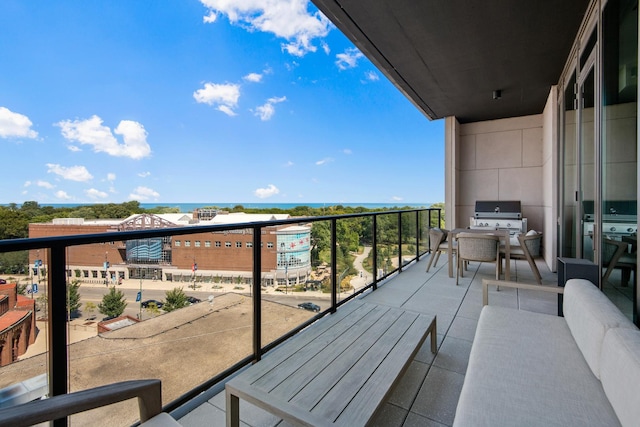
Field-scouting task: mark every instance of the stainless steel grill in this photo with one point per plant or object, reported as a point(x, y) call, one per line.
point(497, 214)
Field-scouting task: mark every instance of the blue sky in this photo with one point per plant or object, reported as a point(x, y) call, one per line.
point(202, 101)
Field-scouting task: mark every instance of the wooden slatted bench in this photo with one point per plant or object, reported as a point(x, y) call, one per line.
point(338, 371)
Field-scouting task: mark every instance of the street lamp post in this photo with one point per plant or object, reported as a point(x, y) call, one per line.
point(194, 268)
point(285, 261)
point(140, 313)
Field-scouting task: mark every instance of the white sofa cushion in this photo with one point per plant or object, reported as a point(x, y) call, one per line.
point(589, 314)
point(620, 373)
point(525, 369)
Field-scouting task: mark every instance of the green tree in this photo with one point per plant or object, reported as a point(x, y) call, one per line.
point(73, 297)
point(14, 262)
point(175, 299)
point(152, 309)
point(13, 224)
point(113, 303)
point(90, 308)
point(434, 215)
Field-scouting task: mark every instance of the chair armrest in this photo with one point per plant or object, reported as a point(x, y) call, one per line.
point(148, 393)
point(486, 283)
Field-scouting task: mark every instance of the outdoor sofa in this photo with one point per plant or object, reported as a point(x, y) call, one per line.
point(532, 369)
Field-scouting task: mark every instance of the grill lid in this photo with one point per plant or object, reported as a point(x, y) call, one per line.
point(508, 209)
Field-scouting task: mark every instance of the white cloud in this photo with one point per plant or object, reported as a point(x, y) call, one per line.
point(288, 164)
point(348, 59)
point(45, 184)
point(15, 125)
point(263, 193)
point(397, 198)
point(63, 195)
point(266, 111)
point(253, 77)
point(73, 173)
point(324, 161)
point(228, 111)
point(326, 48)
point(347, 151)
point(111, 176)
point(92, 132)
point(287, 19)
point(372, 76)
point(223, 96)
point(144, 174)
point(27, 183)
point(144, 193)
point(74, 148)
point(96, 194)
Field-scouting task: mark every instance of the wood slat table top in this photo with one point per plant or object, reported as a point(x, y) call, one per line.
point(338, 371)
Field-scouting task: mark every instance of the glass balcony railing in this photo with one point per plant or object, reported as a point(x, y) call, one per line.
point(188, 305)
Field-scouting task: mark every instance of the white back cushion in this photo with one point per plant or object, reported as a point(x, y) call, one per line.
point(589, 314)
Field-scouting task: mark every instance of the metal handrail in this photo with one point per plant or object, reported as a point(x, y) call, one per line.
point(58, 374)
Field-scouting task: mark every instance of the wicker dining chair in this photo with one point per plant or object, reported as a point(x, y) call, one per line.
point(438, 243)
point(477, 247)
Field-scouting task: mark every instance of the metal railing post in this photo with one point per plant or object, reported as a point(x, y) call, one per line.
point(418, 232)
point(399, 242)
point(57, 324)
point(257, 295)
point(334, 266)
point(375, 251)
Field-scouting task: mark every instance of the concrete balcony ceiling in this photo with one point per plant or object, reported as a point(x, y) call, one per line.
point(449, 56)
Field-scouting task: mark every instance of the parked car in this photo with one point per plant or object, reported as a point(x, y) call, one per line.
point(309, 306)
point(3, 282)
point(145, 304)
point(193, 300)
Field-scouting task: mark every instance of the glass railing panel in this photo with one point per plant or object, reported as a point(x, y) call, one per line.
point(423, 230)
point(409, 237)
point(174, 308)
point(23, 326)
point(293, 278)
point(363, 261)
point(387, 243)
point(348, 248)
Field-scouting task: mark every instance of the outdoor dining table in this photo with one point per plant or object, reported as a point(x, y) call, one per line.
point(502, 234)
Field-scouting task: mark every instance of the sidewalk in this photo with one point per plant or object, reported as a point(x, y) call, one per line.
point(215, 288)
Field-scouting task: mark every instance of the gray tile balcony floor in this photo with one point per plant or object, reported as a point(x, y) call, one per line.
point(428, 392)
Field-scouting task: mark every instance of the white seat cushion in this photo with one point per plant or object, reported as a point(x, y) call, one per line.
point(525, 369)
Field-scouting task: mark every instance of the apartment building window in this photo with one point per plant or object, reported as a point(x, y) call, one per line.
point(218, 244)
point(238, 244)
point(197, 243)
point(177, 243)
point(207, 243)
point(227, 244)
point(269, 245)
point(249, 244)
point(187, 243)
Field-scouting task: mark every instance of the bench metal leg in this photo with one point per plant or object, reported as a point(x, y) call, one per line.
point(434, 336)
point(233, 410)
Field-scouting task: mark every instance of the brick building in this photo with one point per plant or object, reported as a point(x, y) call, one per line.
point(17, 323)
point(225, 256)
